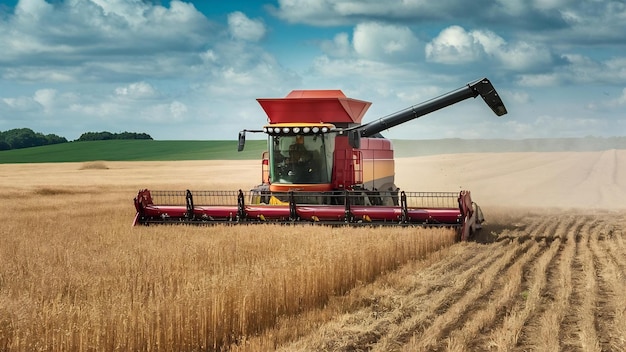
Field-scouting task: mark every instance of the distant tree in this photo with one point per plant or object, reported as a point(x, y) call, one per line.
point(54, 139)
point(103, 136)
point(143, 136)
point(125, 135)
point(95, 136)
point(25, 137)
point(4, 145)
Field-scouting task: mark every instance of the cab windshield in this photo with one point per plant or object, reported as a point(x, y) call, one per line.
point(301, 159)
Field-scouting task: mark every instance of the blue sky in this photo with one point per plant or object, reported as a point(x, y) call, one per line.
point(193, 69)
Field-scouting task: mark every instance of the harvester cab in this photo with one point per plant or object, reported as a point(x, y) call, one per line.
point(305, 149)
point(324, 166)
point(300, 159)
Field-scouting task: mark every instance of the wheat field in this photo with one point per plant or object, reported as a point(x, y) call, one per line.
point(75, 276)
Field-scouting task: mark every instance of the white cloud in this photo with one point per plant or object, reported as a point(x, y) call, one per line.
point(339, 46)
point(100, 109)
point(138, 90)
point(454, 45)
point(347, 12)
point(617, 102)
point(209, 56)
point(516, 96)
point(174, 112)
point(539, 80)
point(513, 7)
point(46, 98)
point(583, 69)
point(360, 71)
point(44, 101)
point(74, 40)
point(375, 41)
point(33, 9)
point(622, 99)
point(119, 64)
point(380, 41)
point(580, 69)
point(244, 28)
point(522, 56)
point(21, 104)
point(319, 12)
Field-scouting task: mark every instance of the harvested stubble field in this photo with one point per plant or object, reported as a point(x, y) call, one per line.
point(547, 272)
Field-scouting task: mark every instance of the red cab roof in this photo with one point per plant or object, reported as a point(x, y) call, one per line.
point(328, 106)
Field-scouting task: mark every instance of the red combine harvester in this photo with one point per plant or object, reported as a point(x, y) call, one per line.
point(323, 166)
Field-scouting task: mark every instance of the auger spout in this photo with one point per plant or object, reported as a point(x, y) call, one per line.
point(482, 87)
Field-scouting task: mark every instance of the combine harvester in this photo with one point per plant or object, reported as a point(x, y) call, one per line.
point(323, 166)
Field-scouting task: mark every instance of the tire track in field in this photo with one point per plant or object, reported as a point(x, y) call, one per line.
point(460, 307)
point(481, 308)
point(609, 290)
point(484, 307)
point(555, 284)
point(457, 310)
point(419, 295)
point(614, 245)
point(449, 265)
point(429, 296)
point(507, 335)
point(618, 254)
point(541, 331)
point(492, 307)
point(453, 286)
point(578, 325)
point(620, 258)
point(416, 325)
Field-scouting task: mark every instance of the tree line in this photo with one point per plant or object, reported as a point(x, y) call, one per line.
point(104, 136)
point(19, 138)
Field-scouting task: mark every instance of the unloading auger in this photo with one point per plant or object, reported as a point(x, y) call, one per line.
point(323, 166)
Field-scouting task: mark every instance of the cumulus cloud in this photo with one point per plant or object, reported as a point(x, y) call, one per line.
point(46, 98)
point(74, 39)
point(339, 46)
point(518, 97)
point(138, 90)
point(20, 104)
point(622, 99)
point(345, 12)
point(42, 101)
point(617, 102)
point(376, 40)
point(342, 12)
point(307, 11)
point(579, 69)
point(455, 45)
point(34, 9)
point(244, 28)
point(566, 21)
point(99, 62)
point(522, 56)
point(159, 113)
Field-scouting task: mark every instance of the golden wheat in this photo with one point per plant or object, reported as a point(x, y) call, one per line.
point(75, 276)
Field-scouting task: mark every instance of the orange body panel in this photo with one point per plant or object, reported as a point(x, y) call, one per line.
point(376, 166)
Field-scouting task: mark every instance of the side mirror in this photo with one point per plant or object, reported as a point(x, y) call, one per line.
point(354, 139)
point(242, 140)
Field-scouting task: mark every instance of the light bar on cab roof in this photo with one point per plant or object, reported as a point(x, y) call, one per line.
point(292, 129)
